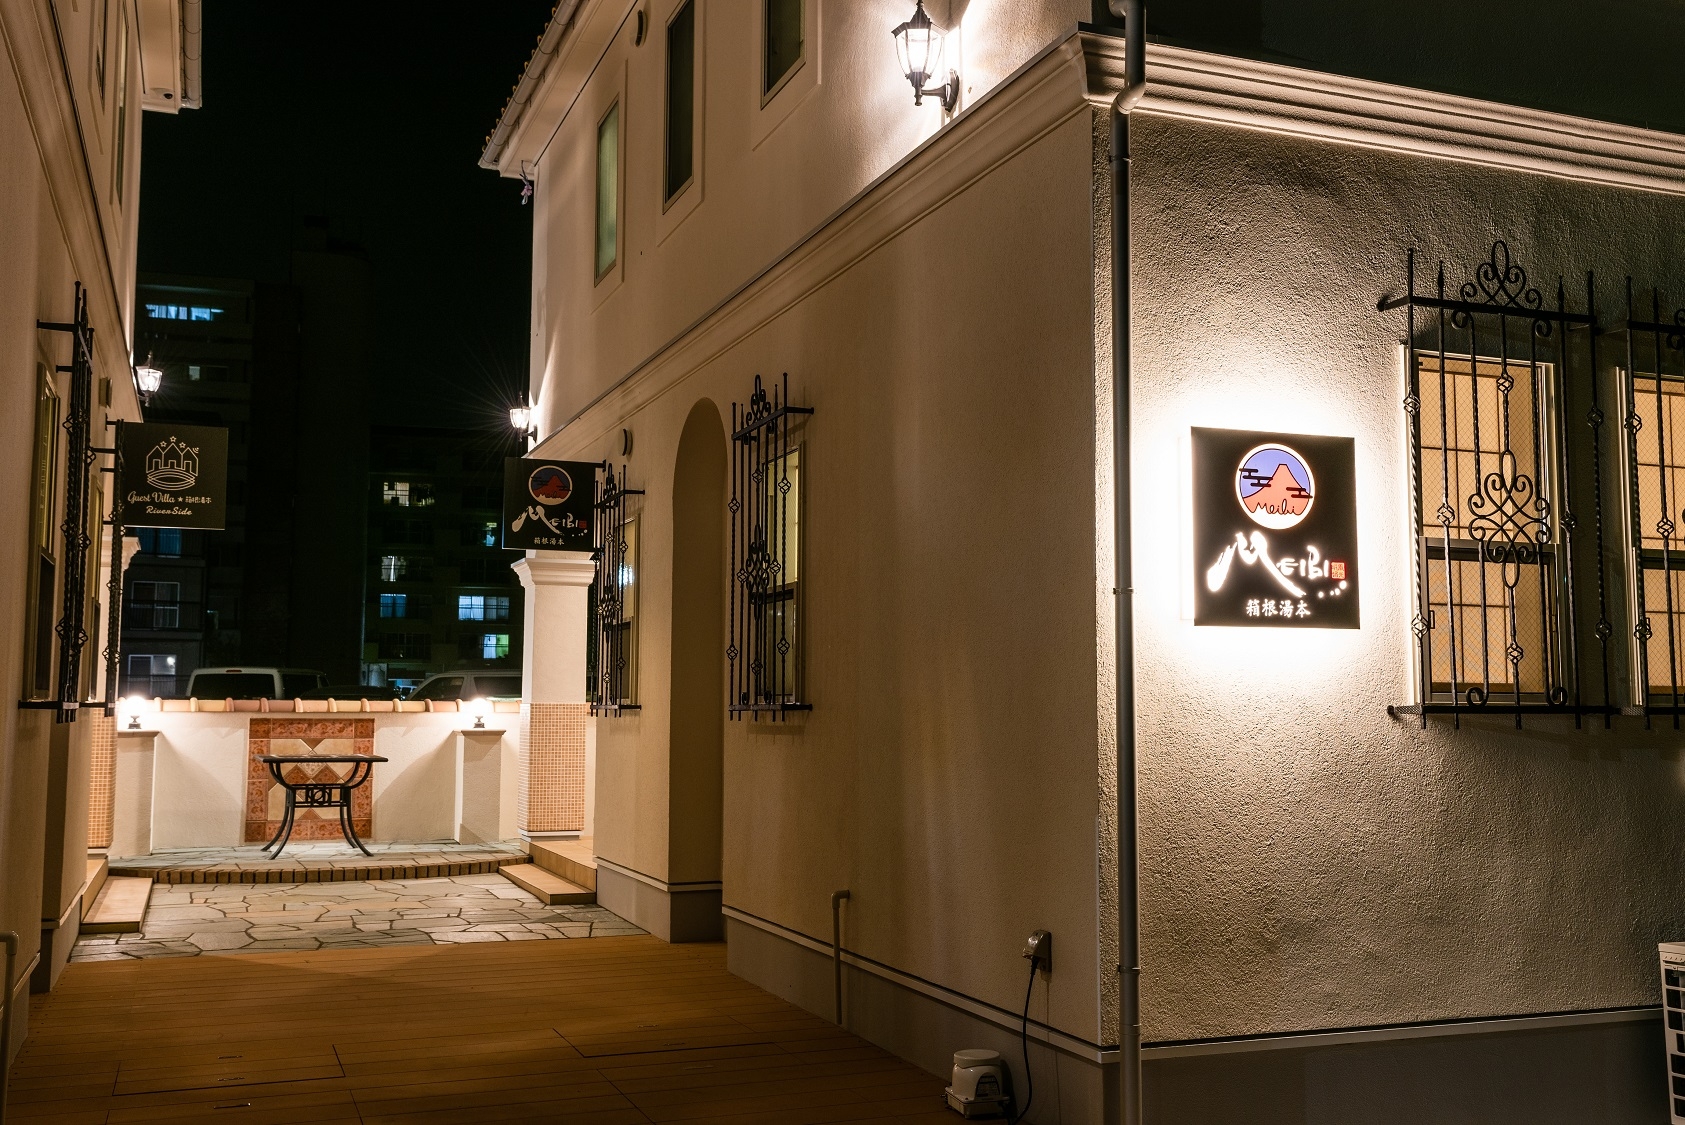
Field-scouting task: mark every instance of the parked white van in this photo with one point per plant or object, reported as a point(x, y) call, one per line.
point(254, 683)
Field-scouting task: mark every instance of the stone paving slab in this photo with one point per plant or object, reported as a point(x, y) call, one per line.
point(190, 920)
point(317, 862)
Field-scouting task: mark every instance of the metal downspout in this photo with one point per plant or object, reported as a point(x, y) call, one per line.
point(1133, 13)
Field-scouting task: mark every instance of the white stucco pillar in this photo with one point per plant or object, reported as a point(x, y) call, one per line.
point(552, 794)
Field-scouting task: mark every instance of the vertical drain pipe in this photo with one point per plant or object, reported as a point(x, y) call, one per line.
point(1129, 937)
point(11, 940)
point(837, 899)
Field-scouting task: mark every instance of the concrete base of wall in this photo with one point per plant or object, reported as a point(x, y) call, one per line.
point(18, 1010)
point(1565, 1075)
point(919, 1028)
point(671, 913)
point(56, 944)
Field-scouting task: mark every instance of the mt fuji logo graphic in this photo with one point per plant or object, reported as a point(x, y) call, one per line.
point(1275, 486)
point(549, 485)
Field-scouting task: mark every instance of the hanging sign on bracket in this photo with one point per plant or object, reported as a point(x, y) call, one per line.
point(173, 476)
point(547, 505)
point(1275, 530)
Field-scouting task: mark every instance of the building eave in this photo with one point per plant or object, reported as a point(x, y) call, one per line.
point(1221, 89)
point(514, 110)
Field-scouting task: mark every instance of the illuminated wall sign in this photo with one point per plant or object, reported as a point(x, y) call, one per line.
point(1275, 530)
point(173, 476)
point(547, 504)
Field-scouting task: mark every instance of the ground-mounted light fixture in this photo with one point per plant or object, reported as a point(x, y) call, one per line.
point(520, 417)
point(479, 708)
point(147, 380)
point(918, 45)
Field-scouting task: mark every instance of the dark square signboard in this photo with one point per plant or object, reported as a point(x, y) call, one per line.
point(1275, 530)
point(173, 476)
point(547, 504)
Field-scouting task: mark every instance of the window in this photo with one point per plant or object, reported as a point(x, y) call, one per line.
point(482, 496)
point(207, 372)
point(1658, 449)
point(394, 605)
point(608, 190)
point(122, 99)
point(393, 568)
point(102, 36)
point(396, 492)
point(440, 687)
point(149, 674)
point(406, 646)
point(415, 532)
point(783, 47)
point(44, 568)
point(488, 533)
point(155, 605)
point(482, 607)
point(612, 608)
point(681, 97)
point(494, 646)
point(1486, 436)
point(183, 312)
point(165, 542)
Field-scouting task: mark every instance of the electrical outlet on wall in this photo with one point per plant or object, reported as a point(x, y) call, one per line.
point(1038, 947)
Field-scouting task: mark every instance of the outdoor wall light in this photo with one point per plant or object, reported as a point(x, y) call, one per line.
point(918, 44)
point(147, 380)
point(131, 707)
point(520, 417)
point(478, 708)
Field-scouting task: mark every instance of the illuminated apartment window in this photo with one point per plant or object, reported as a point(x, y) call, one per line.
point(470, 607)
point(394, 605)
point(396, 492)
point(608, 190)
point(782, 50)
point(494, 646)
point(393, 568)
point(182, 312)
point(488, 534)
point(149, 674)
point(1489, 531)
point(681, 97)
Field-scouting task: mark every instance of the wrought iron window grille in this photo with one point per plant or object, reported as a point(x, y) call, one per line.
point(79, 458)
point(1653, 401)
point(765, 654)
point(1510, 584)
point(612, 669)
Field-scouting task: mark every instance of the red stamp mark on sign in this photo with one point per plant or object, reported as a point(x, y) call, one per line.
point(1336, 570)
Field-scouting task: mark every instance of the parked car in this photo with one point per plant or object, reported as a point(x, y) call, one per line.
point(470, 683)
point(355, 691)
point(254, 683)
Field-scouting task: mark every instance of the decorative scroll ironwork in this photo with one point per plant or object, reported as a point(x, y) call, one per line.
point(114, 578)
point(1653, 403)
point(1494, 373)
point(765, 652)
point(79, 457)
point(613, 655)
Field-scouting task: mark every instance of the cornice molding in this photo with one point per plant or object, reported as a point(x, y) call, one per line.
point(1198, 86)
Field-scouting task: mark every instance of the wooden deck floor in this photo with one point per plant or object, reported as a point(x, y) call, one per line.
point(613, 1030)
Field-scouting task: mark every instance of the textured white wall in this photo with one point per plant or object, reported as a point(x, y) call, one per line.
point(1307, 861)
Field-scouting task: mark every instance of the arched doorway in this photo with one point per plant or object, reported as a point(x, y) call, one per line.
point(696, 773)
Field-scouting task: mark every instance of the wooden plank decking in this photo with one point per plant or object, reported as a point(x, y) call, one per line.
point(601, 1032)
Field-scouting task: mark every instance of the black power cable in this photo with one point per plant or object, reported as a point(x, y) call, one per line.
point(1024, 1045)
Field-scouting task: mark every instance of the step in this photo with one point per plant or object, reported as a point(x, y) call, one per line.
point(547, 887)
point(98, 868)
point(573, 860)
point(119, 907)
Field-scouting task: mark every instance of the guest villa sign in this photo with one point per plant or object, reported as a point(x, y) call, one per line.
point(1275, 530)
point(173, 476)
point(547, 504)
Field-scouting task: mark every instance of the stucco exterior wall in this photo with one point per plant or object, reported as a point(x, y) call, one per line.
point(1307, 861)
point(946, 774)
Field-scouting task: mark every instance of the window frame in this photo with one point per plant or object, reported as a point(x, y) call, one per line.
point(669, 193)
point(771, 88)
point(602, 270)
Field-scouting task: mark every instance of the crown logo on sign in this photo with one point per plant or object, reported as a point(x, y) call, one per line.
point(172, 465)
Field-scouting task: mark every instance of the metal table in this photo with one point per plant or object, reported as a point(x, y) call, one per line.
point(335, 794)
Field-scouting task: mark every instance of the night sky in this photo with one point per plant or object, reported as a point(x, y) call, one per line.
point(372, 114)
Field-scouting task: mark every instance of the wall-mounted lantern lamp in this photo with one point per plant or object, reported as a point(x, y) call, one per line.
point(918, 44)
point(147, 380)
point(520, 417)
point(132, 707)
point(478, 708)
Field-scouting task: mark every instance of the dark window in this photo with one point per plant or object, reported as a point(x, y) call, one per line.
point(498, 687)
point(296, 684)
point(681, 97)
point(445, 687)
point(164, 542)
point(408, 532)
point(483, 497)
point(233, 685)
point(406, 646)
point(783, 41)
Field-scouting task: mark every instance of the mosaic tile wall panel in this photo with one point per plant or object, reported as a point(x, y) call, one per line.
point(552, 790)
point(266, 801)
point(102, 779)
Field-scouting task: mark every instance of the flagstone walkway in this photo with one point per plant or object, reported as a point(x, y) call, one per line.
point(186, 920)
